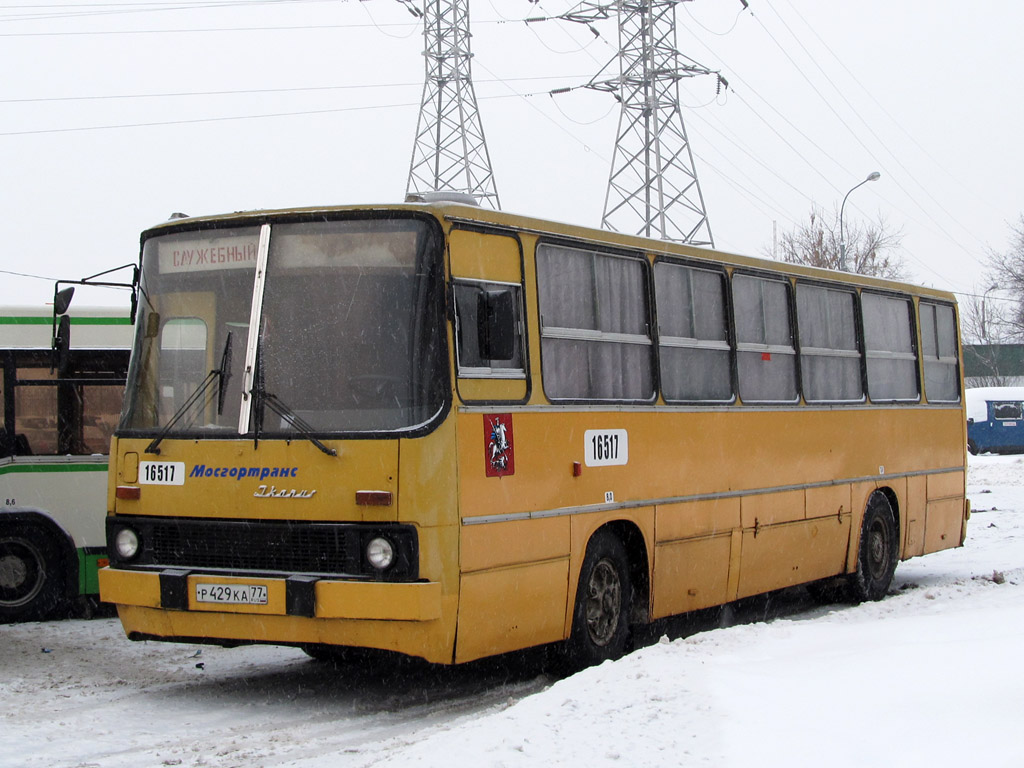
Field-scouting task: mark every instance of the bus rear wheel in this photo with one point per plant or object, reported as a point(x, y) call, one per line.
point(879, 551)
point(600, 623)
point(30, 584)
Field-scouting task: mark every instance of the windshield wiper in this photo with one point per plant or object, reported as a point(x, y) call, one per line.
point(262, 398)
point(225, 375)
point(301, 426)
point(221, 374)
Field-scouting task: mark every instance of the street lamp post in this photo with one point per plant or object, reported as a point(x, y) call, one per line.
point(873, 176)
point(984, 316)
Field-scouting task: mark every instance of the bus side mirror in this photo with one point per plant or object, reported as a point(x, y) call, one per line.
point(62, 344)
point(62, 300)
point(970, 421)
point(496, 325)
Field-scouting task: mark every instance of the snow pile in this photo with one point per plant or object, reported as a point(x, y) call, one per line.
point(927, 677)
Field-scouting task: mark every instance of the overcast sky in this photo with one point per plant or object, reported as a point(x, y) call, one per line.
point(116, 114)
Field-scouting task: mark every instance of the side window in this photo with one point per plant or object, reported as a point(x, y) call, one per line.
point(766, 359)
point(488, 329)
point(829, 356)
point(595, 336)
point(6, 442)
point(1006, 411)
point(941, 366)
point(693, 334)
point(35, 413)
point(889, 347)
point(99, 401)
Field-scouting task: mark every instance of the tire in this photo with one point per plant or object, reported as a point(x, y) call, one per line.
point(972, 447)
point(600, 622)
point(31, 583)
point(879, 551)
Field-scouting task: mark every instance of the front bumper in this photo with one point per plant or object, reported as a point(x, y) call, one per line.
point(300, 596)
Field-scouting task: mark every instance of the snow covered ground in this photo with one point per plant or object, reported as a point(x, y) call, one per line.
point(930, 676)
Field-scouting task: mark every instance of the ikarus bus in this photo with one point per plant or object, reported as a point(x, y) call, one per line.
point(452, 432)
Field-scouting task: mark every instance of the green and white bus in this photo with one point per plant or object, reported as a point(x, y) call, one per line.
point(61, 402)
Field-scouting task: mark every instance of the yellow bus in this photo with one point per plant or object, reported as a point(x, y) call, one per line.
point(451, 432)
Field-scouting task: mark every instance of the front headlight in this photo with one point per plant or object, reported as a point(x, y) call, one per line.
point(126, 543)
point(380, 553)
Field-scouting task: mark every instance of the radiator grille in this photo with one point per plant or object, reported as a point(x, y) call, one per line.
point(296, 547)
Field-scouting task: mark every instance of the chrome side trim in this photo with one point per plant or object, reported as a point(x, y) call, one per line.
point(610, 407)
point(588, 508)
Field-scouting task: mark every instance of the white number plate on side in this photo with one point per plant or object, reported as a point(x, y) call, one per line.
point(162, 472)
point(605, 447)
point(232, 594)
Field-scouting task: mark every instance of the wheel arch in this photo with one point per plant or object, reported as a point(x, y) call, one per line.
point(894, 503)
point(632, 538)
point(56, 532)
point(891, 495)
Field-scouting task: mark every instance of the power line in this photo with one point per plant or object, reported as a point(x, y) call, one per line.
point(867, 125)
point(121, 10)
point(227, 118)
point(192, 121)
point(298, 89)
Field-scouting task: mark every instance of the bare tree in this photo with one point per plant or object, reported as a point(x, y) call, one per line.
point(871, 249)
point(984, 337)
point(1005, 317)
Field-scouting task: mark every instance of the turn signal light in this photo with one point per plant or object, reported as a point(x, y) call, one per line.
point(373, 498)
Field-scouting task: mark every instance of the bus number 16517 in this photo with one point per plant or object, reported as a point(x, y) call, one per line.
point(606, 447)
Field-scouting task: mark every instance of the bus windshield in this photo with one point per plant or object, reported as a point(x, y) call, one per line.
point(350, 338)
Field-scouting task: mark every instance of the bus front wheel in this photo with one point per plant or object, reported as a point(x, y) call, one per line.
point(879, 551)
point(30, 582)
point(600, 622)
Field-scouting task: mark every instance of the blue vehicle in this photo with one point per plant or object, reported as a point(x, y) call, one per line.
point(995, 420)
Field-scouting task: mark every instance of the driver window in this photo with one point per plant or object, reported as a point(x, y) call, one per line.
point(473, 356)
point(183, 362)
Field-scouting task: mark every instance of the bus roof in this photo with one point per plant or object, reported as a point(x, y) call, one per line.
point(92, 328)
point(462, 213)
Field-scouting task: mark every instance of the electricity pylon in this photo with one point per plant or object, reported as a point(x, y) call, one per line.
point(652, 186)
point(450, 152)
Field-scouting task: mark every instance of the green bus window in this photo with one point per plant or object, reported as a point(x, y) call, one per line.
point(35, 416)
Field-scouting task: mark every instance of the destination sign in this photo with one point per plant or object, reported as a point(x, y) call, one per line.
point(206, 254)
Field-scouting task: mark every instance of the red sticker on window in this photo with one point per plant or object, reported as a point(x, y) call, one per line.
point(766, 355)
point(499, 448)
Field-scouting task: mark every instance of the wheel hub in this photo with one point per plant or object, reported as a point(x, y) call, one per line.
point(20, 578)
point(12, 572)
point(604, 603)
